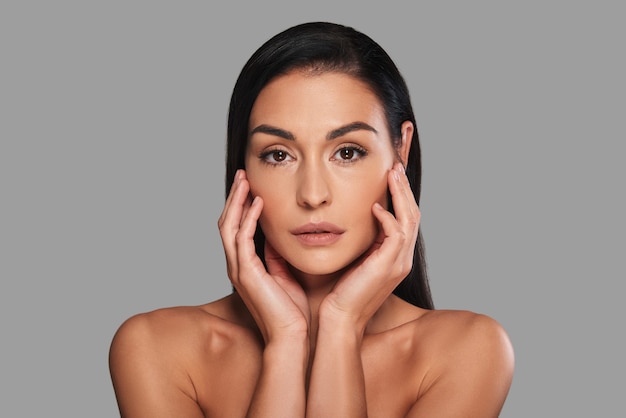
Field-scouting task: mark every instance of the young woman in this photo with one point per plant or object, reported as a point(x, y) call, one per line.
point(331, 313)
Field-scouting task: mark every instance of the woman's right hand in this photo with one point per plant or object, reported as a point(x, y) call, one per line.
point(274, 298)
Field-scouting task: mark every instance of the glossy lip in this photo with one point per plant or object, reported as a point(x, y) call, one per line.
point(318, 233)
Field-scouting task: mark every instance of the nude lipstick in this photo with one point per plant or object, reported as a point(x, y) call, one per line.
point(318, 233)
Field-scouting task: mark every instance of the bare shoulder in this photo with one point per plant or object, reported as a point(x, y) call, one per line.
point(470, 359)
point(153, 329)
point(441, 330)
point(166, 328)
point(154, 356)
point(464, 330)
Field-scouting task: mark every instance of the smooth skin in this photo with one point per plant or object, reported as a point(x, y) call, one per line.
point(319, 332)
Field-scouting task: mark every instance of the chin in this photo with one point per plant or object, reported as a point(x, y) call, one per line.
point(321, 266)
point(313, 271)
point(324, 260)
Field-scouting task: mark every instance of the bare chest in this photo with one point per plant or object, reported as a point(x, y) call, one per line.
point(226, 378)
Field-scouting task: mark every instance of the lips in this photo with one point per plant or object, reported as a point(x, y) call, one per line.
point(318, 234)
point(318, 228)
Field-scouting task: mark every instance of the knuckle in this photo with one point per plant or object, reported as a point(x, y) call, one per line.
point(402, 237)
point(239, 237)
point(412, 222)
point(231, 272)
point(223, 231)
point(404, 268)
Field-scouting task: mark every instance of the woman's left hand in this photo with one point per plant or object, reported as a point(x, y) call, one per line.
point(365, 286)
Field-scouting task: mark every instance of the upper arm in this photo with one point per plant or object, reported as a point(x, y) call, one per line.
point(473, 377)
point(146, 382)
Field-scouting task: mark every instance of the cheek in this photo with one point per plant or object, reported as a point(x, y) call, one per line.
point(257, 180)
point(359, 197)
point(373, 189)
point(273, 200)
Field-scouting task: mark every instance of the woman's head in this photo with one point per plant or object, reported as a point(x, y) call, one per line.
point(331, 53)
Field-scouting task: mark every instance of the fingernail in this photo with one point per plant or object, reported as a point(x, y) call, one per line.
point(400, 167)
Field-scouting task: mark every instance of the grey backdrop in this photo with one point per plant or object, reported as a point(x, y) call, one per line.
point(112, 126)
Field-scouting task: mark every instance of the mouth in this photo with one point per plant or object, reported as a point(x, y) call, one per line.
point(318, 228)
point(317, 234)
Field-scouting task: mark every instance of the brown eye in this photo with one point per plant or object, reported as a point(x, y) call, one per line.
point(349, 154)
point(279, 156)
point(275, 157)
point(346, 153)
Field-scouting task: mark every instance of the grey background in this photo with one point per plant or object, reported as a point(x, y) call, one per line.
point(112, 126)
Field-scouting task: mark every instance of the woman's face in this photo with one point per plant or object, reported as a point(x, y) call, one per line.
point(318, 154)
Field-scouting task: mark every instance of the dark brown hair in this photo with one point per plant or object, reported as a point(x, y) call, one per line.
point(323, 47)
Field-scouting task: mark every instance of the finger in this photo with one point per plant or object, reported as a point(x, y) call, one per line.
point(232, 214)
point(249, 220)
point(247, 258)
point(404, 204)
point(230, 222)
point(398, 246)
point(249, 197)
point(236, 197)
point(391, 231)
point(246, 207)
point(276, 264)
point(229, 198)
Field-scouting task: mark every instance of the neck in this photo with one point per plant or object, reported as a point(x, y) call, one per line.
point(316, 288)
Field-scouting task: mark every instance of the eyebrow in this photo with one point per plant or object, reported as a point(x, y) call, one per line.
point(335, 133)
point(351, 127)
point(271, 130)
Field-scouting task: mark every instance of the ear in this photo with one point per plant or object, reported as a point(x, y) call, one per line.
point(407, 136)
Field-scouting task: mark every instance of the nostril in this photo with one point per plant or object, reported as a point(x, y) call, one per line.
point(313, 189)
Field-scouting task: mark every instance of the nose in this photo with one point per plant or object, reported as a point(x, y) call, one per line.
point(313, 188)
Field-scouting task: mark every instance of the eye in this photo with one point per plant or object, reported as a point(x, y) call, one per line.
point(350, 154)
point(275, 157)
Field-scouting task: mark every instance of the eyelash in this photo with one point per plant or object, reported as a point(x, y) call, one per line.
point(362, 152)
point(265, 156)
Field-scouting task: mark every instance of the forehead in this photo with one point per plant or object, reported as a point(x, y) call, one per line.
point(303, 101)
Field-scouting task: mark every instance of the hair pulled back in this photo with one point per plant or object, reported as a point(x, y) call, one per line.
point(320, 47)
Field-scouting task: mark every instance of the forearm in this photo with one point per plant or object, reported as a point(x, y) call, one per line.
point(337, 386)
point(280, 391)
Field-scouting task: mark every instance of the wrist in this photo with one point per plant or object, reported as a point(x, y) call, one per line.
point(279, 331)
point(287, 349)
point(286, 335)
point(288, 343)
point(334, 321)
